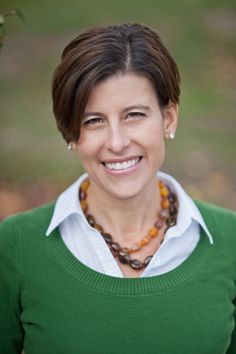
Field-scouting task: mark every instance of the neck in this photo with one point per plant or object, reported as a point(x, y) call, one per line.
point(126, 219)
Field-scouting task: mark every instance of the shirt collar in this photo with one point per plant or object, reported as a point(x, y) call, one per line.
point(187, 211)
point(68, 204)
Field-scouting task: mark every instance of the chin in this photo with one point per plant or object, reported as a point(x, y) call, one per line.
point(125, 191)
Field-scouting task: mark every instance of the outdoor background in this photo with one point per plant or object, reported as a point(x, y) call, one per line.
point(201, 34)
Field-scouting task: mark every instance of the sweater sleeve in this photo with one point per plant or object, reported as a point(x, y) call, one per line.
point(11, 332)
point(232, 347)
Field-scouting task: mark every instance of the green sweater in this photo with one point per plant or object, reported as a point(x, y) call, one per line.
point(50, 303)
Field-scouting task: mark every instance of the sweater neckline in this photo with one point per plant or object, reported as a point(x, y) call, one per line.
point(129, 286)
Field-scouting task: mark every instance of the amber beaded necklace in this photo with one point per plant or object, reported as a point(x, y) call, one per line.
point(167, 217)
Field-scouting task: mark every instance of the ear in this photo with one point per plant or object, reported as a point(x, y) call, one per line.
point(170, 119)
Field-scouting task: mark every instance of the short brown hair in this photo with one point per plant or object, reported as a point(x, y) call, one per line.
point(101, 52)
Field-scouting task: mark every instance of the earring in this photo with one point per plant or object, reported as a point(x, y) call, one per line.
point(69, 146)
point(172, 135)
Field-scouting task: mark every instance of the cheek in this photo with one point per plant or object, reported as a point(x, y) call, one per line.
point(85, 152)
point(88, 147)
point(156, 147)
point(154, 127)
point(154, 137)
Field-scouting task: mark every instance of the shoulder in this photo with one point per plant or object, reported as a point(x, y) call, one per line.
point(25, 223)
point(214, 211)
point(219, 220)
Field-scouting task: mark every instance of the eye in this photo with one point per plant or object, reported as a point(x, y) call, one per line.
point(135, 115)
point(92, 121)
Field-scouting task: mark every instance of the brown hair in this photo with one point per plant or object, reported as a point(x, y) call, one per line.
point(101, 52)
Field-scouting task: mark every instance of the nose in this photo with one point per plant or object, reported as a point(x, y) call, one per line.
point(117, 139)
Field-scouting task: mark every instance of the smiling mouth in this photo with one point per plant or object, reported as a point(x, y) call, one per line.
point(122, 165)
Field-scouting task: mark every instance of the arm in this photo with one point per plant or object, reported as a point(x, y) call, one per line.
point(11, 332)
point(232, 347)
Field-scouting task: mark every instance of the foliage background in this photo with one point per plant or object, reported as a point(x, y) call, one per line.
point(201, 34)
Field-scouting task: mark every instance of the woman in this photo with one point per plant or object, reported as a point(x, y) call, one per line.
point(124, 261)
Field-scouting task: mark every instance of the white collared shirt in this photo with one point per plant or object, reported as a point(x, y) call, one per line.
point(89, 247)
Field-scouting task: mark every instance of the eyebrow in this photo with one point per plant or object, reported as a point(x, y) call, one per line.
point(87, 114)
point(138, 106)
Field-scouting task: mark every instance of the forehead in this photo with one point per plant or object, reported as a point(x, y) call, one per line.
point(122, 90)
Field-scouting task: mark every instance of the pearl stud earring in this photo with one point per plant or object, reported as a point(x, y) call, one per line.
point(69, 146)
point(172, 135)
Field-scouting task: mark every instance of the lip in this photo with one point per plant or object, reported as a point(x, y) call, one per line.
point(125, 172)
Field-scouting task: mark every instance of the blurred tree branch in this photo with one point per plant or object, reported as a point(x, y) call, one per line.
point(13, 12)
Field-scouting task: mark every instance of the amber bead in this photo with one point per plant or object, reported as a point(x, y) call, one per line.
point(164, 192)
point(122, 252)
point(172, 197)
point(125, 249)
point(161, 185)
point(144, 241)
point(82, 195)
point(84, 185)
point(164, 213)
point(114, 253)
point(147, 260)
point(136, 264)
point(159, 224)
point(91, 220)
point(135, 247)
point(98, 227)
point(173, 210)
point(115, 246)
point(124, 258)
point(153, 232)
point(165, 204)
point(107, 237)
point(84, 205)
point(171, 221)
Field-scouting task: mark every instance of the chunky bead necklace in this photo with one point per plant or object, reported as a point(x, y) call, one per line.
point(167, 216)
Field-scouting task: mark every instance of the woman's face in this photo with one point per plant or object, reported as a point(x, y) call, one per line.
point(121, 144)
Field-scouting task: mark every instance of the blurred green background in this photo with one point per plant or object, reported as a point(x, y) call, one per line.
point(201, 35)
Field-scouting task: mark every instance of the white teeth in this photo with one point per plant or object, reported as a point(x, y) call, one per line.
point(121, 165)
